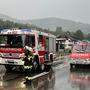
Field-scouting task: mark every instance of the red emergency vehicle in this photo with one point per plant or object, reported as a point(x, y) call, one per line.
point(80, 56)
point(13, 42)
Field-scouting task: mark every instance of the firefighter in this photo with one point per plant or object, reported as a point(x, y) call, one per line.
point(28, 60)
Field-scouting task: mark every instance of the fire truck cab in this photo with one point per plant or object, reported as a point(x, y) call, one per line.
point(80, 56)
point(13, 42)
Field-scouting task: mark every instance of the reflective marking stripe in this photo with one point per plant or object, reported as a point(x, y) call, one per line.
point(27, 67)
point(41, 56)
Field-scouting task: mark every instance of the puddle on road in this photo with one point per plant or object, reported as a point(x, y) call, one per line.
point(80, 79)
point(61, 78)
point(44, 82)
point(11, 81)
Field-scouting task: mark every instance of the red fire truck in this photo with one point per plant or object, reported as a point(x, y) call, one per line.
point(80, 56)
point(13, 42)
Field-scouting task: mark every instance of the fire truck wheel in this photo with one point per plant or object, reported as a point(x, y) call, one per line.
point(72, 67)
point(21, 68)
point(8, 67)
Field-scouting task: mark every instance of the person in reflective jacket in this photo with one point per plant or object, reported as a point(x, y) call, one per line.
point(28, 60)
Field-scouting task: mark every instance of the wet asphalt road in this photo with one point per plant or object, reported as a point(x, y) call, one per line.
point(59, 78)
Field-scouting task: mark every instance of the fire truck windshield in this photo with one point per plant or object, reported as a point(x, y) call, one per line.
point(82, 48)
point(11, 41)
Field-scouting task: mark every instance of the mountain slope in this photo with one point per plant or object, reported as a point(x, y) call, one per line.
point(6, 17)
point(69, 25)
point(52, 23)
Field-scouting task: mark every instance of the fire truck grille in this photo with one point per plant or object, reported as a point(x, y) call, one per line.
point(11, 55)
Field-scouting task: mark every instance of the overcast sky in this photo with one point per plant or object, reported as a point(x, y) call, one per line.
point(76, 10)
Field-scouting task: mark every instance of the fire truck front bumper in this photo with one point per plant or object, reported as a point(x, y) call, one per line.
point(82, 62)
point(4, 61)
point(79, 64)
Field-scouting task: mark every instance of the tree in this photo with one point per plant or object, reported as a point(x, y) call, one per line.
point(67, 34)
point(59, 31)
point(79, 35)
point(88, 37)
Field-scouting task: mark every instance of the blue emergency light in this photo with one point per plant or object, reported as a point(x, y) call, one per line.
point(26, 30)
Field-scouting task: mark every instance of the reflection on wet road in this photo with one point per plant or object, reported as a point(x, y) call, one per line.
point(76, 80)
point(81, 80)
point(59, 78)
point(16, 81)
point(45, 82)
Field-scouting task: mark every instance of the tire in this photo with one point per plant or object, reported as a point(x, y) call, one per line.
point(47, 68)
point(21, 69)
point(72, 67)
point(8, 67)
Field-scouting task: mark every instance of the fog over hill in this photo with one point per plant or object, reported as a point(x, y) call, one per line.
point(67, 25)
point(51, 23)
point(6, 17)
